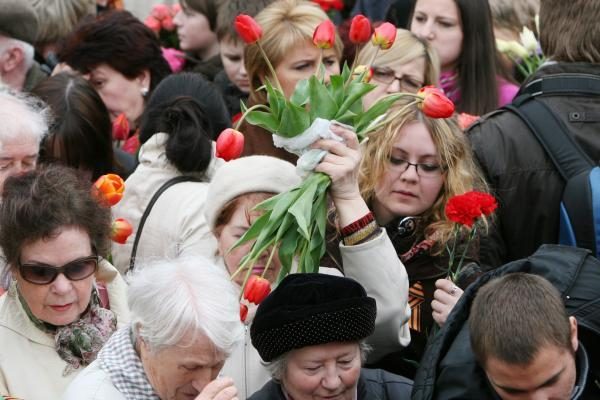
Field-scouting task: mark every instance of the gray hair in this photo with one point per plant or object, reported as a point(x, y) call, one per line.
point(22, 114)
point(171, 298)
point(278, 366)
point(28, 50)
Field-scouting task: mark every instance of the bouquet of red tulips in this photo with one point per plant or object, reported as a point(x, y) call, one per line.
point(293, 223)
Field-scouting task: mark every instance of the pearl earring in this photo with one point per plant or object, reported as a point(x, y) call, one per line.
point(144, 91)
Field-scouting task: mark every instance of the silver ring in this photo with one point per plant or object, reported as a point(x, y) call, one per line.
point(453, 290)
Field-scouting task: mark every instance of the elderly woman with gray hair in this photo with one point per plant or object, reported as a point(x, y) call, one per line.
point(310, 332)
point(185, 322)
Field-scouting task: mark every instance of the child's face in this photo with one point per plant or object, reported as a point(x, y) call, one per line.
point(232, 56)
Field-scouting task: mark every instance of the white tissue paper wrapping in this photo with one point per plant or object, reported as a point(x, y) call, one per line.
point(300, 144)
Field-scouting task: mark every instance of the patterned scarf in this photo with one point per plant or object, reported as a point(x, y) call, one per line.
point(449, 84)
point(121, 362)
point(79, 342)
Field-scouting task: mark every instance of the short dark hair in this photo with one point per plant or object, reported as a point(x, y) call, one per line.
point(118, 39)
point(208, 8)
point(37, 204)
point(81, 134)
point(512, 317)
point(569, 30)
point(228, 10)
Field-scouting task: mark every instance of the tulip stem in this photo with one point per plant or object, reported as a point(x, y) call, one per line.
point(270, 66)
point(268, 262)
point(254, 107)
point(391, 117)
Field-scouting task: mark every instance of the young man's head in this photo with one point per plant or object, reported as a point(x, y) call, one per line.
point(523, 338)
point(569, 30)
point(232, 47)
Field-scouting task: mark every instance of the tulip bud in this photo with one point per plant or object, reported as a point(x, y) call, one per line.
point(230, 144)
point(256, 289)
point(384, 36)
point(528, 40)
point(152, 23)
point(243, 312)
point(248, 29)
point(360, 29)
point(363, 69)
point(324, 35)
point(120, 127)
point(108, 189)
point(168, 24)
point(121, 230)
point(435, 104)
point(160, 11)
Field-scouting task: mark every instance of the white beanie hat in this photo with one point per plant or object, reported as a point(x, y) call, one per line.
point(247, 175)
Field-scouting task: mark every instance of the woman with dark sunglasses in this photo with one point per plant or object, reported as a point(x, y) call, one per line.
point(65, 300)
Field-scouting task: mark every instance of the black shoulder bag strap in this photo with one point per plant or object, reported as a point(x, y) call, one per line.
point(555, 137)
point(138, 233)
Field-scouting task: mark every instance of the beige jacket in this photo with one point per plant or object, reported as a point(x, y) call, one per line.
point(176, 224)
point(377, 267)
point(30, 367)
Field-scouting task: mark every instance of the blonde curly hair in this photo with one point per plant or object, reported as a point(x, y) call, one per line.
point(461, 174)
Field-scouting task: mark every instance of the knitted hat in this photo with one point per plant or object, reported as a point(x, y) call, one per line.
point(18, 20)
point(311, 309)
point(247, 175)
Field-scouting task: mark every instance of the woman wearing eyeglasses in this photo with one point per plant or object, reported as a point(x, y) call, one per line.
point(408, 65)
point(65, 299)
point(409, 169)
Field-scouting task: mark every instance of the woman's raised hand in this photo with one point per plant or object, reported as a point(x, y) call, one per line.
point(219, 389)
point(341, 164)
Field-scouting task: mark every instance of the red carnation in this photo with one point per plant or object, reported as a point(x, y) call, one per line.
point(464, 209)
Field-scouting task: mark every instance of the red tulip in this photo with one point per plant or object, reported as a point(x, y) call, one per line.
point(168, 24)
point(121, 230)
point(120, 127)
point(384, 36)
point(360, 29)
point(160, 11)
point(327, 5)
point(324, 35)
point(243, 312)
point(435, 104)
point(109, 189)
point(230, 144)
point(256, 289)
point(248, 29)
point(152, 23)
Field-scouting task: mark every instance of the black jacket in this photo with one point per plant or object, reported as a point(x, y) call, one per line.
point(522, 176)
point(448, 369)
point(373, 384)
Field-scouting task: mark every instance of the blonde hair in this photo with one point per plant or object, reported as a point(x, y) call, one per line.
point(406, 48)
point(58, 18)
point(285, 24)
point(460, 171)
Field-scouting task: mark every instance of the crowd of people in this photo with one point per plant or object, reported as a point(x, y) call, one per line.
point(87, 88)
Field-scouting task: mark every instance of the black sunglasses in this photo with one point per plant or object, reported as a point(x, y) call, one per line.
point(43, 274)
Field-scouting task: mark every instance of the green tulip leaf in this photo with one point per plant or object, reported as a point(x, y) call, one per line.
point(322, 103)
point(354, 93)
point(263, 119)
point(300, 95)
point(294, 121)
